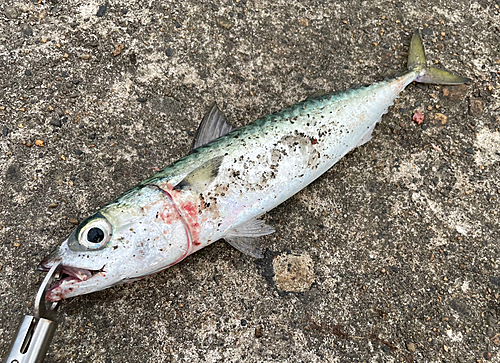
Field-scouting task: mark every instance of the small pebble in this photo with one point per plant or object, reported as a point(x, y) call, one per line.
point(169, 52)
point(55, 122)
point(85, 56)
point(141, 99)
point(133, 58)
point(441, 118)
point(304, 22)
point(78, 152)
point(410, 347)
point(26, 29)
point(224, 23)
point(491, 320)
point(73, 221)
point(475, 107)
point(258, 332)
point(5, 131)
point(490, 332)
point(427, 31)
point(418, 117)
point(496, 339)
point(53, 205)
point(470, 151)
point(39, 143)
point(27, 72)
point(118, 49)
point(11, 12)
point(102, 10)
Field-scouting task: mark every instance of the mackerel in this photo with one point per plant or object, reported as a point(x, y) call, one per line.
point(230, 178)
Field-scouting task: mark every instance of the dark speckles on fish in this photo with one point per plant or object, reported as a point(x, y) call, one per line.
point(229, 179)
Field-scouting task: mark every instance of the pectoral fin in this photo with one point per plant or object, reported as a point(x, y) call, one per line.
point(213, 126)
point(200, 178)
point(245, 237)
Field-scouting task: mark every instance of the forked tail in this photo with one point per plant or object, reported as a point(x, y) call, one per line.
point(416, 62)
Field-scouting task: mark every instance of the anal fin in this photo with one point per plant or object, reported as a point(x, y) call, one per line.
point(367, 136)
point(245, 237)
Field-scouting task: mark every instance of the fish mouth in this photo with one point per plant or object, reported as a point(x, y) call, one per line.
point(69, 275)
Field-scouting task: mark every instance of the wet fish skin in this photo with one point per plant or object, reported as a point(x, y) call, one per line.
point(219, 189)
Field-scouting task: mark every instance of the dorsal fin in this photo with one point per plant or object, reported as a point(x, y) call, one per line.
point(213, 126)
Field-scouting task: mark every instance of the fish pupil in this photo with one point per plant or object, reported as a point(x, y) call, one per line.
point(95, 235)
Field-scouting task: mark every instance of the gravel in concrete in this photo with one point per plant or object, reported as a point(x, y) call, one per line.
point(401, 236)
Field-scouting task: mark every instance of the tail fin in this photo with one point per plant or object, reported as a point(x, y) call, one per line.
point(416, 62)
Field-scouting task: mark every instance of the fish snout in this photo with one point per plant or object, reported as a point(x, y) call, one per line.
point(44, 265)
point(48, 261)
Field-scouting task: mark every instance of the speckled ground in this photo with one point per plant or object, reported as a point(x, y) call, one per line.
point(394, 253)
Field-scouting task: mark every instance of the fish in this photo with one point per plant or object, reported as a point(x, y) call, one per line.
point(228, 180)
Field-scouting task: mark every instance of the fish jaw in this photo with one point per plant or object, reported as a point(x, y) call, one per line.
point(72, 286)
point(74, 280)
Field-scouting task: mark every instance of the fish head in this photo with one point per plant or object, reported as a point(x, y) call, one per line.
point(139, 234)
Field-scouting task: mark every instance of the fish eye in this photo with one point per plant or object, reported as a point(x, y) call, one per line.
point(95, 233)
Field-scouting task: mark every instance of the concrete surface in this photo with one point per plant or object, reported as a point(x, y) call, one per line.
point(400, 240)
